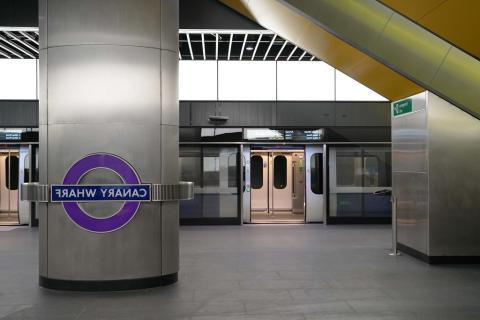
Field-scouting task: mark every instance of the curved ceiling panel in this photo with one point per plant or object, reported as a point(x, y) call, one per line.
point(456, 21)
point(325, 46)
point(376, 46)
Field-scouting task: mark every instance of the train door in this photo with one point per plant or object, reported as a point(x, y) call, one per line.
point(280, 176)
point(246, 199)
point(315, 183)
point(259, 182)
point(9, 182)
point(277, 186)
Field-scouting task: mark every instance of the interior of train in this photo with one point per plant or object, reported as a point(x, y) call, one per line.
point(14, 169)
point(277, 186)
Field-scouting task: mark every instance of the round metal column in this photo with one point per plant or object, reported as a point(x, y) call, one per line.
point(108, 84)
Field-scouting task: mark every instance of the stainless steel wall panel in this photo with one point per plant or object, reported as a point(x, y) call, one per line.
point(409, 149)
point(119, 22)
point(411, 191)
point(133, 143)
point(169, 155)
point(107, 83)
point(132, 252)
point(170, 240)
point(169, 25)
point(435, 178)
point(169, 90)
point(109, 76)
point(43, 83)
point(454, 175)
point(42, 24)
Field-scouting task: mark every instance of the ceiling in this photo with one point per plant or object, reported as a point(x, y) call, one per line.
point(257, 45)
point(456, 21)
point(19, 43)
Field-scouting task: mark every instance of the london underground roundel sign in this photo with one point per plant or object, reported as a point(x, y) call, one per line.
point(132, 192)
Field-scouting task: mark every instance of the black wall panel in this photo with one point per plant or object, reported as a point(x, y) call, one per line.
point(261, 114)
point(18, 113)
point(305, 114)
point(289, 114)
point(19, 13)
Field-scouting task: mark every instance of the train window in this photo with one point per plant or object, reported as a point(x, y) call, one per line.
point(232, 170)
point(316, 173)
point(371, 170)
point(280, 172)
point(256, 172)
point(11, 172)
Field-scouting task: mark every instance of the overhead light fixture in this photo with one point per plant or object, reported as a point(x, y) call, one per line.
point(249, 48)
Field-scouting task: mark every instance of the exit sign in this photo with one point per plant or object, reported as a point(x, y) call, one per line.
point(402, 107)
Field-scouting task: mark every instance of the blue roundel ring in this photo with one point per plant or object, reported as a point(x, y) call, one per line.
point(97, 161)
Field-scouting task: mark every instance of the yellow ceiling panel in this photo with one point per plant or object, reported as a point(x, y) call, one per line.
point(457, 21)
point(337, 53)
point(414, 9)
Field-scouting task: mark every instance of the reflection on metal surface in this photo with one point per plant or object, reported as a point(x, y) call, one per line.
point(435, 174)
point(295, 27)
point(382, 34)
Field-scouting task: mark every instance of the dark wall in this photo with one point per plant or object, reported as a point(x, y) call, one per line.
point(211, 14)
point(19, 13)
point(287, 114)
point(18, 113)
point(194, 14)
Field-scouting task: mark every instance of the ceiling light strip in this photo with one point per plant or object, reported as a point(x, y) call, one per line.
point(35, 50)
point(291, 53)
point(5, 55)
point(230, 46)
point(8, 50)
point(256, 46)
point(26, 35)
point(281, 49)
point(243, 46)
point(269, 47)
point(203, 47)
point(190, 46)
point(216, 46)
point(303, 55)
point(10, 43)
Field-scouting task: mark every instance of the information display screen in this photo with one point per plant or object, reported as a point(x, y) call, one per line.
point(304, 135)
point(10, 136)
point(263, 134)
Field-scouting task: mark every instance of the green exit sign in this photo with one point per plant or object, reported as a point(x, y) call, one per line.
point(402, 107)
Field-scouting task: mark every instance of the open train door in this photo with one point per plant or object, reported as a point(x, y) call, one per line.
point(315, 165)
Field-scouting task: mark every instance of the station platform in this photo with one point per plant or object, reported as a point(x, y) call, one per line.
point(258, 272)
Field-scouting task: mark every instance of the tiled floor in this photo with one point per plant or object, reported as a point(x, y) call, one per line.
point(270, 272)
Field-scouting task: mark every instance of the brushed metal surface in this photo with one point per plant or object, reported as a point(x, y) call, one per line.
point(410, 174)
point(383, 35)
point(169, 89)
point(170, 240)
point(246, 194)
point(315, 205)
point(411, 191)
point(169, 155)
point(119, 22)
point(454, 175)
point(110, 86)
point(108, 83)
point(42, 85)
